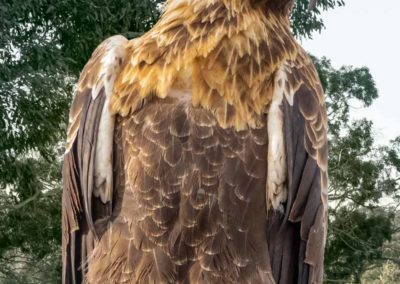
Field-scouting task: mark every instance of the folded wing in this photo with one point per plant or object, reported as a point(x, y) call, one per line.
point(88, 169)
point(297, 250)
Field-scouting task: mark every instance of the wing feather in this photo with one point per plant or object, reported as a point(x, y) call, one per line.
point(87, 171)
point(301, 229)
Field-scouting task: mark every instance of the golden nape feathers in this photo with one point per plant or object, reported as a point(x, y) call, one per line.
point(231, 48)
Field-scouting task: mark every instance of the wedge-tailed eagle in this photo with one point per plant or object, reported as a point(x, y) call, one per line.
point(197, 153)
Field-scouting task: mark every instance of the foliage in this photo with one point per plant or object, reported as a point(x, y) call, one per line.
point(364, 179)
point(305, 22)
point(389, 273)
point(43, 46)
point(386, 272)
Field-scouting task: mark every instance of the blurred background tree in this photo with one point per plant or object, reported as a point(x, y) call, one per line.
point(43, 46)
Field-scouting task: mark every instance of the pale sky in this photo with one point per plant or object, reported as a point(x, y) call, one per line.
point(367, 33)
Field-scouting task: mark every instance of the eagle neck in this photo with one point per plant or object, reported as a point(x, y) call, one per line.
point(225, 60)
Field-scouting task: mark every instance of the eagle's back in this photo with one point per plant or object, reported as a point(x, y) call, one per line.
point(191, 207)
point(171, 160)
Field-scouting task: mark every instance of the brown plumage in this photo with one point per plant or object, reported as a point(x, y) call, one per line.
point(198, 153)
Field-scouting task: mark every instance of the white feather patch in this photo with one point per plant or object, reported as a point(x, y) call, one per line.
point(103, 168)
point(277, 165)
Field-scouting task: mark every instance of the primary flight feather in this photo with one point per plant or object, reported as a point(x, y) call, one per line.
point(197, 153)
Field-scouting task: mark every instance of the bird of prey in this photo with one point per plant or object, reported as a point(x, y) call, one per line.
point(197, 153)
